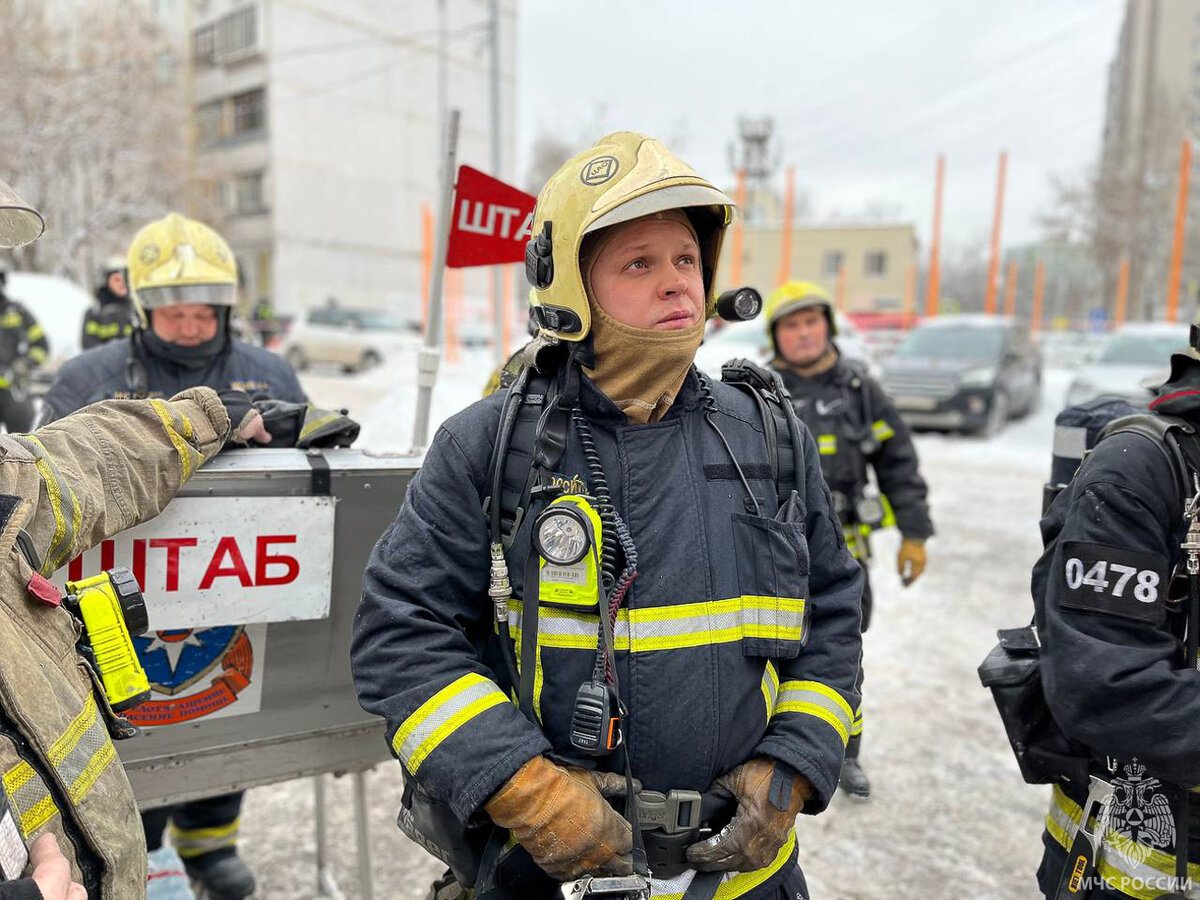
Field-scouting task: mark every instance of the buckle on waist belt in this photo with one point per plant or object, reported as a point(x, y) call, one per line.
point(672, 822)
point(673, 812)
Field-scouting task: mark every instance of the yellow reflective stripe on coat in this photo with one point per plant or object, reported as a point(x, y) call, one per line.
point(882, 431)
point(815, 699)
point(441, 715)
point(676, 627)
point(37, 354)
point(193, 842)
point(179, 428)
point(68, 516)
point(105, 332)
point(856, 726)
point(31, 800)
point(1124, 872)
point(770, 688)
point(827, 444)
point(11, 320)
point(320, 422)
point(35, 331)
point(83, 751)
point(733, 884)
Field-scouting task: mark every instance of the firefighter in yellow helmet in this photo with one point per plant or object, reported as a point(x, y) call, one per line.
point(183, 277)
point(858, 433)
point(68, 818)
point(668, 606)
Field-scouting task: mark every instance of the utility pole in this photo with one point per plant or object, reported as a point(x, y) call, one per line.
point(499, 313)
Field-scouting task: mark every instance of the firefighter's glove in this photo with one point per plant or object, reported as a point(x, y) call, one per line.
point(769, 794)
point(910, 561)
point(245, 422)
point(560, 815)
point(301, 425)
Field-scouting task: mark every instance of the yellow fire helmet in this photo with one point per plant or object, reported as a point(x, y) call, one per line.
point(177, 260)
point(20, 223)
point(624, 176)
point(793, 296)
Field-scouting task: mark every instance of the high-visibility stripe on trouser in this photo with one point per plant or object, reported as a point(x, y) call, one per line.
point(733, 884)
point(1134, 870)
point(193, 842)
point(63, 506)
point(811, 698)
point(443, 714)
point(179, 429)
point(31, 801)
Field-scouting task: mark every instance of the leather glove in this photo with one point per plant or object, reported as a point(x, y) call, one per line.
point(560, 815)
point(303, 426)
point(910, 561)
point(769, 795)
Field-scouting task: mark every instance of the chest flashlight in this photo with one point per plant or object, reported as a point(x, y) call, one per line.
point(567, 537)
point(111, 607)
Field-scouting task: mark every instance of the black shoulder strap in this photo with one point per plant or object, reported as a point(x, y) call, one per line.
point(1174, 436)
point(512, 468)
point(784, 436)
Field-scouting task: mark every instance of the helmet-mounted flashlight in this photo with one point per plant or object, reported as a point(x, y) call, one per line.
point(739, 304)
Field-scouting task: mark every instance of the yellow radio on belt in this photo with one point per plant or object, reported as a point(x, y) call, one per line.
point(111, 607)
point(567, 537)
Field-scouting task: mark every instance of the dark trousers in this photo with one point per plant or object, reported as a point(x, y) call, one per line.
point(212, 813)
point(16, 412)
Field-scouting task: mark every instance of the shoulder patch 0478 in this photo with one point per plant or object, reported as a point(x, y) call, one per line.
point(1113, 580)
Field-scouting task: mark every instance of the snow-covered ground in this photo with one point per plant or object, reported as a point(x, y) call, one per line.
point(949, 816)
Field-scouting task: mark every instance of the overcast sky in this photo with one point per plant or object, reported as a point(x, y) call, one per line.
point(864, 94)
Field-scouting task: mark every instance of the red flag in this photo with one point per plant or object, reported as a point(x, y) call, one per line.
point(489, 222)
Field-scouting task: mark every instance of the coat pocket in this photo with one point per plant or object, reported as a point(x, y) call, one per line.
point(772, 568)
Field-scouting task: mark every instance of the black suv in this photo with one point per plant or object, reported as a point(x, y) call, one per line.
point(965, 373)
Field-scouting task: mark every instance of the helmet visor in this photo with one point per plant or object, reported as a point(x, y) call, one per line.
point(187, 294)
point(20, 223)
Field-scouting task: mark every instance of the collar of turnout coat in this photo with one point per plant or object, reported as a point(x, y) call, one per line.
point(1179, 395)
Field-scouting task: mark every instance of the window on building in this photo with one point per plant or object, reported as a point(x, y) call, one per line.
point(831, 262)
point(210, 118)
point(249, 111)
point(875, 264)
point(238, 31)
point(204, 45)
point(248, 194)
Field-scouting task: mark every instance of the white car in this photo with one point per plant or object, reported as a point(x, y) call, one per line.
point(355, 339)
point(748, 340)
point(1129, 362)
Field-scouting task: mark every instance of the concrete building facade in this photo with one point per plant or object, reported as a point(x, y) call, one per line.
point(872, 263)
point(317, 138)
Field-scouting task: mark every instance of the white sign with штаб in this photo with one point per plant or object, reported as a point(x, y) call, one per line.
point(208, 561)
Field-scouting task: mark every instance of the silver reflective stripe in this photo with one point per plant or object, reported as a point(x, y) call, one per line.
point(30, 798)
point(1118, 868)
point(83, 752)
point(442, 714)
point(819, 700)
point(1070, 441)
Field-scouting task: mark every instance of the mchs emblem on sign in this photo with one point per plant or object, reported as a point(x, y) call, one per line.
point(193, 673)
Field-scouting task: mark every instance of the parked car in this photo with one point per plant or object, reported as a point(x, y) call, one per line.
point(355, 339)
point(748, 340)
point(965, 373)
point(1133, 358)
